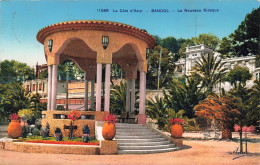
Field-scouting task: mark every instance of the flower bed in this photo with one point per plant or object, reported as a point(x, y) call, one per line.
point(61, 142)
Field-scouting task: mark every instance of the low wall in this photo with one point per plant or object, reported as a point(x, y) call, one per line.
point(54, 119)
point(50, 148)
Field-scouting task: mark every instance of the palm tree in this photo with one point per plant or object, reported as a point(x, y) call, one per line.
point(118, 98)
point(184, 95)
point(210, 70)
point(16, 98)
point(254, 103)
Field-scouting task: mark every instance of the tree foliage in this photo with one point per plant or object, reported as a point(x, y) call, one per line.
point(68, 70)
point(158, 109)
point(210, 70)
point(245, 39)
point(238, 76)
point(15, 98)
point(13, 71)
point(184, 95)
point(225, 48)
point(166, 68)
point(218, 108)
point(207, 39)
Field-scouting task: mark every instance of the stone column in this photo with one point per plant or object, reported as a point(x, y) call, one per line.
point(92, 94)
point(49, 87)
point(128, 86)
point(86, 93)
point(142, 91)
point(54, 87)
point(132, 95)
point(107, 87)
point(98, 87)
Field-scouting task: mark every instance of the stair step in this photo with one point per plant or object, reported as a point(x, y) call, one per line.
point(146, 147)
point(147, 151)
point(135, 133)
point(141, 140)
point(127, 124)
point(143, 143)
point(137, 137)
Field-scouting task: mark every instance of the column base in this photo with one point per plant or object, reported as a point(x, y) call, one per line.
point(141, 119)
point(108, 147)
point(178, 141)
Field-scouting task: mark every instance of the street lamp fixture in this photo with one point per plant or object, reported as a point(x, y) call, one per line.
point(50, 43)
point(147, 52)
point(105, 41)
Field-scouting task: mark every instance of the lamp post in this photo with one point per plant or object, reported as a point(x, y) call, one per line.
point(159, 72)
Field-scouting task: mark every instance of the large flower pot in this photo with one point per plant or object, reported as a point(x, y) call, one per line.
point(176, 130)
point(108, 130)
point(14, 129)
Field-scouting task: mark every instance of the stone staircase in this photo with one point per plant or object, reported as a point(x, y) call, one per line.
point(138, 139)
point(3, 131)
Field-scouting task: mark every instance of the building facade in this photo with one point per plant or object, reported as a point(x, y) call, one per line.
point(193, 53)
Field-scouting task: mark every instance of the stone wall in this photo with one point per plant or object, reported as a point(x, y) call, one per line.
point(55, 120)
point(50, 149)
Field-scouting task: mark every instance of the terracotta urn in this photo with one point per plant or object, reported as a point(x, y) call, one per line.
point(108, 130)
point(14, 129)
point(176, 130)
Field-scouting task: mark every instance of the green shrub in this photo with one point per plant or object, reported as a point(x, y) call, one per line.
point(36, 132)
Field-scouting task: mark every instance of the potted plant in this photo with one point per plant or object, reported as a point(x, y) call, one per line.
point(176, 129)
point(14, 127)
point(109, 129)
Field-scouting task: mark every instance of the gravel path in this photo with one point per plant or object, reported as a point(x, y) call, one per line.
point(201, 152)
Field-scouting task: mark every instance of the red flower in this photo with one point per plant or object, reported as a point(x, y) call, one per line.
point(62, 142)
point(74, 115)
point(110, 118)
point(14, 116)
point(177, 120)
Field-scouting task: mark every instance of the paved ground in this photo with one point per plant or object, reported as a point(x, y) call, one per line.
point(201, 152)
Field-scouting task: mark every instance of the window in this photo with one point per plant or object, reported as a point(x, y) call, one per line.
point(27, 87)
point(40, 86)
point(33, 87)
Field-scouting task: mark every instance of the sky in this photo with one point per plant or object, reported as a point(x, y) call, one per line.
point(21, 20)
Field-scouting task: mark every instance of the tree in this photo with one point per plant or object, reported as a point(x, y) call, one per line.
point(15, 98)
point(12, 71)
point(225, 48)
point(157, 39)
point(68, 70)
point(184, 95)
point(36, 105)
point(166, 68)
point(210, 70)
point(218, 108)
point(118, 98)
point(117, 71)
point(254, 104)
point(207, 39)
point(238, 76)
point(245, 39)
point(241, 97)
point(173, 45)
point(43, 74)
